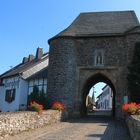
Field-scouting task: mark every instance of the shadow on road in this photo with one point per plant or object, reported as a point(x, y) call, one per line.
point(114, 129)
point(92, 119)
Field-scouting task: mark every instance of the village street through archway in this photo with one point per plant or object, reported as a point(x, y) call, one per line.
point(99, 101)
point(102, 105)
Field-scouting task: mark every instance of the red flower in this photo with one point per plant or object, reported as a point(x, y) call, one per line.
point(36, 107)
point(131, 108)
point(58, 106)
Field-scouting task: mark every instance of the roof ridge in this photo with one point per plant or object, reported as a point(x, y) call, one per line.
point(107, 12)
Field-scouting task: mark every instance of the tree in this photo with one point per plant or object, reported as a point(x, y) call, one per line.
point(38, 96)
point(90, 101)
point(42, 99)
point(134, 75)
point(89, 104)
point(34, 96)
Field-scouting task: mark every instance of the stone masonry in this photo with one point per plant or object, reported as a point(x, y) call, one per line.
point(94, 48)
point(14, 123)
point(133, 123)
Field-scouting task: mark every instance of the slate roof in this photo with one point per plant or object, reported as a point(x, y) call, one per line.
point(43, 73)
point(134, 30)
point(20, 68)
point(100, 24)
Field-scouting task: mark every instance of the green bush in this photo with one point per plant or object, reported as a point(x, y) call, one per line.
point(38, 97)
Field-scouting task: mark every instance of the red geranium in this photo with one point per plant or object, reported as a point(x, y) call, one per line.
point(131, 108)
point(58, 106)
point(36, 107)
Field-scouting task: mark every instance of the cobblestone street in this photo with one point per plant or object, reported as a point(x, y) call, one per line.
point(89, 128)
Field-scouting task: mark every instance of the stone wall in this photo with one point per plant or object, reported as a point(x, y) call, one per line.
point(14, 123)
point(133, 124)
point(62, 73)
point(73, 61)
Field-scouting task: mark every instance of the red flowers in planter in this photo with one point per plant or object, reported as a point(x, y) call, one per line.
point(36, 107)
point(58, 106)
point(131, 109)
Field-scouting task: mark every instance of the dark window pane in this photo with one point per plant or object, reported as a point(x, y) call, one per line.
point(10, 95)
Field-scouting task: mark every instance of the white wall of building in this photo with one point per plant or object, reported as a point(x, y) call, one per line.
point(105, 99)
point(1, 97)
point(20, 87)
point(23, 90)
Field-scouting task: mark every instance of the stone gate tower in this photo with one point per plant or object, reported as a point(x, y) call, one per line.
point(96, 47)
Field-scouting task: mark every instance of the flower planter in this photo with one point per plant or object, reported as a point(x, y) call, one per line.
point(133, 123)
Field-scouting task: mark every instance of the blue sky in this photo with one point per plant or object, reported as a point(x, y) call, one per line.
point(97, 89)
point(28, 24)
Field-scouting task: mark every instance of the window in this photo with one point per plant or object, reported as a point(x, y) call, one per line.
point(31, 83)
point(10, 95)
point(45, 89)
point(36, 82)
point(30, 90)
point(40, 83)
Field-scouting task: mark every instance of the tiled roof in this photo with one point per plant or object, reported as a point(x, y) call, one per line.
point(42, 73)
point(22, 67)
point(134, 30)
point(100, 24)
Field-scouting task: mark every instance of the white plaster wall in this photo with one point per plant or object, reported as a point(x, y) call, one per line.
point(103, 102)
point(1, 96)
point(13, 105)
point(20, 95)
point(107, 97)
point(23, 90)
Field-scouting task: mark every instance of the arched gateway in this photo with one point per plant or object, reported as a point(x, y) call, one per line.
point(91, 81)
point(95, 47)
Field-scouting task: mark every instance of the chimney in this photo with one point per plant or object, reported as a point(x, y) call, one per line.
point(31, 57)
point(25, 59)
point(39, 53)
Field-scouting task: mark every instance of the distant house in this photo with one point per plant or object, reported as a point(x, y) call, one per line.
point(17, 83)
point(105, 98)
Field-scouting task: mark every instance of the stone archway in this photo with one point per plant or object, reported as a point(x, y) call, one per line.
point(91, 82)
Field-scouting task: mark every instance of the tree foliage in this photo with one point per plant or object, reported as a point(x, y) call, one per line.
point(38, 97)
point(90, 101)
point(134, 75)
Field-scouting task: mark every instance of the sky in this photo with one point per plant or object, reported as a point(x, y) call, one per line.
point(97, 90)
point(28, 24)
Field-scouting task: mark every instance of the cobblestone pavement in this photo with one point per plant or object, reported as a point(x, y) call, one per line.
point(89, 128)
